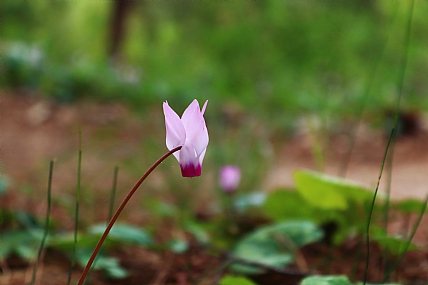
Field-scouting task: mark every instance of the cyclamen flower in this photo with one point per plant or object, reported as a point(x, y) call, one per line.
point(190, 132)
point(230, 177)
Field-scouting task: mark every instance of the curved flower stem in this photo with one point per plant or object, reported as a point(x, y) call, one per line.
point(119, 210)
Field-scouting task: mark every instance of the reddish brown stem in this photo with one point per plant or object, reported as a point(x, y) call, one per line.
point(119, 210)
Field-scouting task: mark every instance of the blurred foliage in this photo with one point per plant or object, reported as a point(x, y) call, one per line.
point(270, 60)
point(273, 245)
point(333, 280)
point(276, 59)
point(235, 280)
point(326, 280)
point(326, 200)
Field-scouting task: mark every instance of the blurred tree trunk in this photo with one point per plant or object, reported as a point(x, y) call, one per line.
point(117, 29)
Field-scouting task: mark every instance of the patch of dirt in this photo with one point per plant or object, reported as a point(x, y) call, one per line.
point(410, 162)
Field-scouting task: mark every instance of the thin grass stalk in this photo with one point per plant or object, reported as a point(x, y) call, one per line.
point(110, 213)
point(383, 262)
point(371, 79)
point(119, 210)
point(113, 193)
point(408, 242)
point(76, 210)
point(47, 222)
point(373, 203)
point(343, 168)
point(400, 81)
point(385, 209)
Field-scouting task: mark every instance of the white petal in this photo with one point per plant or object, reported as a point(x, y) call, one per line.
point(201, 157)
point(175, 132)
point(195, 127)
point(188, 154)
point(191, 113)
point(204, 107)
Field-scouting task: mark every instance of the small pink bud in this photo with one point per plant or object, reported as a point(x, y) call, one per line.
point(229, 178)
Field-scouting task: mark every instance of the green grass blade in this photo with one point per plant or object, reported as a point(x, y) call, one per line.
point(343, 167)
point(113, 194)
point(47, 222)
point(76, 211)
point(409, 241)
point(400, 83)
point(110, 214)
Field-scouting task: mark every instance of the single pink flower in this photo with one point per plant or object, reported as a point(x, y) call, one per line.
point(230, 177)
point(191, 133)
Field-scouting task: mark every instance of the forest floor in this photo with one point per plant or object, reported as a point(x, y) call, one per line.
point(34, 130)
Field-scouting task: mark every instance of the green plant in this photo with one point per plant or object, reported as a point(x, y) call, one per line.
point(332, 280)
point(235, 280)
point(323, 199)
point(273, 245)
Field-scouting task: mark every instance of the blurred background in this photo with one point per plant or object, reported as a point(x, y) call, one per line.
point(288, 83)
point(271, 58)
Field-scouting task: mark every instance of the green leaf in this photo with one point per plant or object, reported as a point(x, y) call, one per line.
point(65, 241)
point(24, 243)
point(327, 192)
point(116, 272)
point(197, 231)
point(395, 245)
point(124, 233)
point(281, 205)
point(246, 201)
point(326, 280)
point(235, 280)
point(110, 265)
point(410, 206)
point(361, 283)
point(274, 245)
point(178, 245)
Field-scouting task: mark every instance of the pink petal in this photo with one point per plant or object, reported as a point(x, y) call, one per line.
point(189, 161)
point(175, 132)
point(191, 170)
point(201, 157)
point(200, 138)
point(229, 178)
point(191, 114)
point(194, 124)
point(204, 107)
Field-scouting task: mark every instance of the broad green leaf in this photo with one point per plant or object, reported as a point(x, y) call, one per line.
point(327, 192)
point(178, 245)
point(197, 231)
point(110, 265)
point(409, 206)
point(65, 241)
point(24, 243)
point(27, 220)
point(274, 245)
point(244, 202)
point(124, 233)
point(362, 283)
point(235, 280)
point(394, 245)
point(326, 280)
point(116, 272)
point(287, 204)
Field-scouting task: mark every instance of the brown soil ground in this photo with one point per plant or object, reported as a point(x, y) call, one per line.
point(34, 130)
